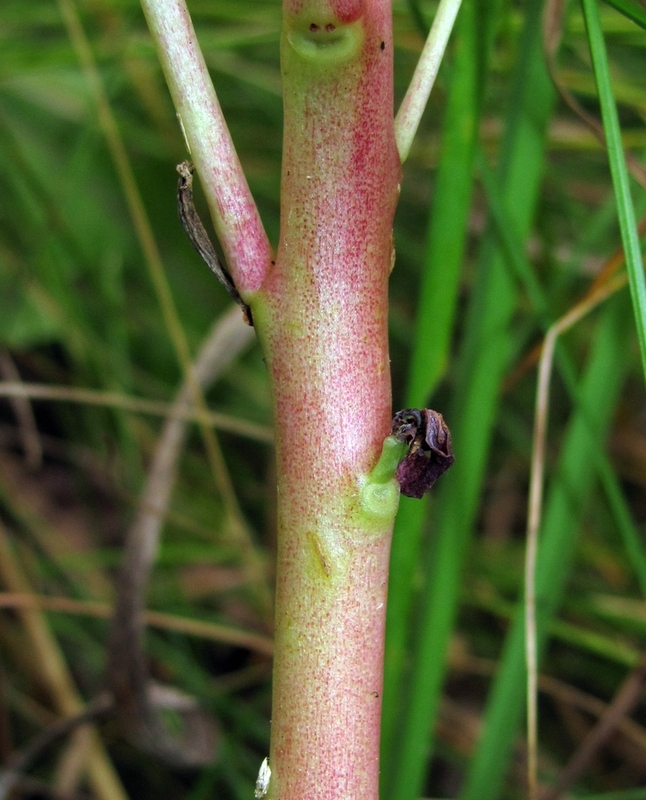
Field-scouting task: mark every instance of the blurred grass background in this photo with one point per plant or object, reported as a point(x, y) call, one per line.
point(507, 216)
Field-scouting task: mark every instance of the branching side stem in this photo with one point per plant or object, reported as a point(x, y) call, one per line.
point(414, 102)
point(233, 210)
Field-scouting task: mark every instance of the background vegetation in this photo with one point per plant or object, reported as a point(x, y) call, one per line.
point(507, 218)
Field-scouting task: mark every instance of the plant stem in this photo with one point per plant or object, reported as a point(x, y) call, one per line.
point(321, 316)
point(414, 102)
point(233, 210)
point(320, 311)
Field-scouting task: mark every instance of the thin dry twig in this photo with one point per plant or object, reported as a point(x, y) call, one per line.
point(140, 405)
point(52, 670)
point(224, 634)
point(535, 509)
point(23, 762)
point(24, 414)
point(559, 691)
point(569, 695)
point(127, 671)
point(553, 19)
point(626, 698)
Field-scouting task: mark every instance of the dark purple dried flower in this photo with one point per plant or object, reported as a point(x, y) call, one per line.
point(429, 449)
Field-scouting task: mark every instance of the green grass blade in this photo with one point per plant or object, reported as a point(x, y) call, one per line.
point(435, 316)
point(522, 268)
point(449, 217)
point(620, 179)
point(511, 243)
point(630, 9)
point(600, 389)
point(404, 562)
point(631, 537)
point(472, 419)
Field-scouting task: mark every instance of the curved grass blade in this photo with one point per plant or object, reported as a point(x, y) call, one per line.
point(620, 179)
point(522, 268)
point(630, 9)
point(478, 384)
point(435, 319)
point(599, 391)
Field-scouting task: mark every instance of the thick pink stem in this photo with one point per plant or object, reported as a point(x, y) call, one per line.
point(322, 318)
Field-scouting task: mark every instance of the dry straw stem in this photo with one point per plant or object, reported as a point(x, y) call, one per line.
point(140, 405)
point(127, 673)
point(573, 316)
point(52, 670)
point(152, 257)
point(570, 695)
point(228, 337)
point(562, 693)
point(626, 698)
point(21, 763)
point(223, 634)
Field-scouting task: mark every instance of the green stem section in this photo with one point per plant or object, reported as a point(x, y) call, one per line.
point(414, 103)
point(321, 316)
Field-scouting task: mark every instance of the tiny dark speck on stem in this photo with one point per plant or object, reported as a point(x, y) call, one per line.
point(314, 27)
point(382, 46)
point(329, 28)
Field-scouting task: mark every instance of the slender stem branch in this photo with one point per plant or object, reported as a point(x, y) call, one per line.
point(233, 210)
point(535, 508)
point(413, 105)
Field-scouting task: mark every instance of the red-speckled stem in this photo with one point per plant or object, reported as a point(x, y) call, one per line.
point(322, 318)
